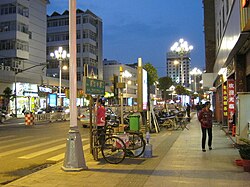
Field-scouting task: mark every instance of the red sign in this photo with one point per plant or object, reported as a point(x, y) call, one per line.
point(231, 98)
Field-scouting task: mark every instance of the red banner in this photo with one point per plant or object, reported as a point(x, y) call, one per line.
point(231, 99)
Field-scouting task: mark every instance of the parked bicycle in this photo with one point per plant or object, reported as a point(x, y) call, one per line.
point(116, 146)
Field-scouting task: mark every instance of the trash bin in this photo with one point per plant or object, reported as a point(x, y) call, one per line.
point(134, 122)
point(29, 118)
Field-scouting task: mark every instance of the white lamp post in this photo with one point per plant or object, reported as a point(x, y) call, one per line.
point(195, 72)
point(60, 55)
point(181, 48)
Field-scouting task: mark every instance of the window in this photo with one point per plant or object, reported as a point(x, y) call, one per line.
point(78, 61)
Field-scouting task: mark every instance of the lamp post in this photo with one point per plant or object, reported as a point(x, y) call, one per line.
point(195, 72)
point(60, 55)
point(181, 48)
point(74, 156)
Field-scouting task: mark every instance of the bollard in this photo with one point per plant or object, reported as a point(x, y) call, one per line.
point(148, 148)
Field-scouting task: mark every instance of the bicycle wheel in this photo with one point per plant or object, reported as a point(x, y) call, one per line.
point(113, 150)
point(137, 145)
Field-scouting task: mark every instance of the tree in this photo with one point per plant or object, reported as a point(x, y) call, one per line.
point(152, 73)
point(164, 84)
point(180, 90)
point(7, 97)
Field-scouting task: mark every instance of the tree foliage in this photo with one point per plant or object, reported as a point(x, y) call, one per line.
point(180, 90)
point(152, 73)
point(165, 83)
point(7, 97)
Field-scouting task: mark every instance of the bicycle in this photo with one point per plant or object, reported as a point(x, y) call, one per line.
point(116, 147)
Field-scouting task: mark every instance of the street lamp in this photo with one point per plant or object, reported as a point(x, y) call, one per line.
point(195, 72)
point(181, 48)
point(60, 55)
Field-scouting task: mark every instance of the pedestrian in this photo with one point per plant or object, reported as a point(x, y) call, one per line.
point(100, 120)
point(24, 109)
point(205, 117)
point(188, 109)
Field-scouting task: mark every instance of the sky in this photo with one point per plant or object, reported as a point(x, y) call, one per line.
point(145, 28)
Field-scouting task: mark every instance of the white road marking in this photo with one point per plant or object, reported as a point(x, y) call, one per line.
point(61, 156)
point(29, 147)
point(45, 151)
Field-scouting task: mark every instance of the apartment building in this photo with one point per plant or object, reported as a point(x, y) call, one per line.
point(22, 48)
point(178, 68)
point(89, 43)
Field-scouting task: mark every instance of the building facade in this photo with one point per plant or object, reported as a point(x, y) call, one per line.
point(22, 48)
point(89, 43)
point(129, 77)
point(178, 68)
point(230, 61)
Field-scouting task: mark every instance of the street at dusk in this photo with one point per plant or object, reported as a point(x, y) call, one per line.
point(124, 93)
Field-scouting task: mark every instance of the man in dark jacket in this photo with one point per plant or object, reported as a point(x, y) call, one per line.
point(206, 119)
point(188, 110)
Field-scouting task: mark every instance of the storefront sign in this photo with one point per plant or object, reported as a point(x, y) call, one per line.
point(231, 99)
point(26, 89)
point(44, 89)
point(225, 103)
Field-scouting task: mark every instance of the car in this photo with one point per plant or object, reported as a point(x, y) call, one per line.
point(84, 118)
point(41, 111)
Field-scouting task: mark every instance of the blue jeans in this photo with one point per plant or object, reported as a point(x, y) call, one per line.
point(204, 136)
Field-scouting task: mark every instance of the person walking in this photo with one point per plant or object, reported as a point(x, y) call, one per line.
point(188, 109)
point(205, 117)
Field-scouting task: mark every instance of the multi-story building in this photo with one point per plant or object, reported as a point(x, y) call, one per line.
point(22, 49)
point(129, 77)
point(227, 53)
point(178, 68)
point(89, 43)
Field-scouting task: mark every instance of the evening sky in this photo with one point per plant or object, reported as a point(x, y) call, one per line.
point(145, 28)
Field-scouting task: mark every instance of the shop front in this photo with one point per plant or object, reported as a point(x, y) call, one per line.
point(26, 98)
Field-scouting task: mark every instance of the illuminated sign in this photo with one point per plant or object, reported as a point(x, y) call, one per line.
point(244, 3)
point(26, 89)
point(225, 103)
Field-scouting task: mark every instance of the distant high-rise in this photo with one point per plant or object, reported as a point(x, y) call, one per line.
point(89, 42)
point(178, 68)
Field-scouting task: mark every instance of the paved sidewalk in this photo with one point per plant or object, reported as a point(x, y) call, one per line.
point(177, 161)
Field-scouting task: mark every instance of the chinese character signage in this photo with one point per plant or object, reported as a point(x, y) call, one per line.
point(93, 86)
point(225, 103)
point(231, 98)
